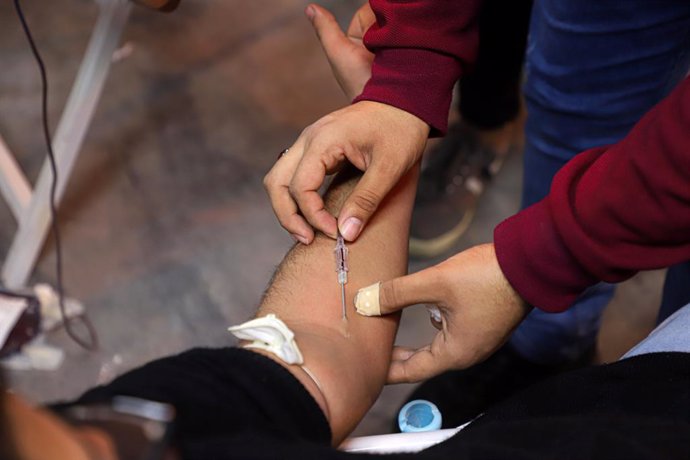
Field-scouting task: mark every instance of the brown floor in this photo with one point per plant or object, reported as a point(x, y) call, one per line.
point(168, 236)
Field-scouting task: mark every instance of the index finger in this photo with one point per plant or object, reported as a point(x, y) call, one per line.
point(304, 188)
point(276, 184)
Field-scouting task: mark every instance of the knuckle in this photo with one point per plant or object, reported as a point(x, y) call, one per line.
point(388, 294)
point(445, 280)
point(294, 191)
point(268, 181)
point(366, 200)
point(318, 126)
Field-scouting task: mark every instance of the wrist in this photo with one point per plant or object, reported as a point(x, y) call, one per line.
point(399, 116)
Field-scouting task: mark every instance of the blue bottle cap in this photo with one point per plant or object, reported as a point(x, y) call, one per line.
point(419, 415)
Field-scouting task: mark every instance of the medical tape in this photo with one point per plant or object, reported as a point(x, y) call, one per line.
point(367, 300)
point(271, 334)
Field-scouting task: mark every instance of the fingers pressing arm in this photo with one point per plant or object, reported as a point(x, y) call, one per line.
point(478, 308)
point(381, 140)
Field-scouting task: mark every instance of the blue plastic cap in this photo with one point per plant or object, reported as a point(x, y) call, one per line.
point(419, 415)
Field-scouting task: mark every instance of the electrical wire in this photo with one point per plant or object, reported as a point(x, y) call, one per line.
point(92, 343)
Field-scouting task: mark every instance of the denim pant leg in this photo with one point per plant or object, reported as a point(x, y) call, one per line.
point(676, 290)
point(594, 68)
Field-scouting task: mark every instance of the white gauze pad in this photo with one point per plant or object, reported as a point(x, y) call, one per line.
point(271, 334)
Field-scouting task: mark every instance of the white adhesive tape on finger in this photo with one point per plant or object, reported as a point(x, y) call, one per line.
point(269, 333)
point(367, 300)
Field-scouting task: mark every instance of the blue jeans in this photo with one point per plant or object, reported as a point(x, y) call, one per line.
point(594, 68)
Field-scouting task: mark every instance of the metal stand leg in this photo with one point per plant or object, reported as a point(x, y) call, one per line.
point(13, 184)
point(75, 120)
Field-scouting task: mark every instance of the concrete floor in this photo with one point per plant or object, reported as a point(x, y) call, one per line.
point(166, 207)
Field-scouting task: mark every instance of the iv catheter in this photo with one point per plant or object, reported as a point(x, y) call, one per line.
point(341, 268)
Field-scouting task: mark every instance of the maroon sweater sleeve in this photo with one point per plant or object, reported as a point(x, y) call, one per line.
point(611, 212)
point(420, 47)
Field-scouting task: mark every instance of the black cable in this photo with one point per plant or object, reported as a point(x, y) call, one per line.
point(92, 343)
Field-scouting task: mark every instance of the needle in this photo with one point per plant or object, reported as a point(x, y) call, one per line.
point(341, 268)
point(342, 294)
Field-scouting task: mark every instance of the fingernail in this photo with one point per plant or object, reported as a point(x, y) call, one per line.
point(301, 239)
point(351, 228)
point(367, 301)
point(310, 12)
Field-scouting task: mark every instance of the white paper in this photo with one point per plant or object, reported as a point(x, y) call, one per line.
point(10, 311)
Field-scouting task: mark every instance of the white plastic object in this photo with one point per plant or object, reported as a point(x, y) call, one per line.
point(51, 317)
point(397, 443)
point(11, 310)
point(44, 357)
point(269, 333)
point(35, 355)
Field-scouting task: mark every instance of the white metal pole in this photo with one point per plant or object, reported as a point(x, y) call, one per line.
point(13, 184)
point(67, 142)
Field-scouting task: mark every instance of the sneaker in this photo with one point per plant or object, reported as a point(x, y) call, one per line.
point(456, 174)
point(458, 170)
point(462, 395)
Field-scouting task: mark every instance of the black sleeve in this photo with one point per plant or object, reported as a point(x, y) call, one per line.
point(221, 394)
point(236, 404)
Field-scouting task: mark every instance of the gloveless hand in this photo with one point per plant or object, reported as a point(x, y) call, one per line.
point(379, 139)
point(479, 310)
point(346, 53)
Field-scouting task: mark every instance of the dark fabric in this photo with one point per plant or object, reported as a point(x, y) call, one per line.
point(224, 399)
point(490, 94)
point(676, 293)
point(235, 404)
point(638, 408)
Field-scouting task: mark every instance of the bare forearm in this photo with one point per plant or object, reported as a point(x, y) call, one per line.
point(349, 358)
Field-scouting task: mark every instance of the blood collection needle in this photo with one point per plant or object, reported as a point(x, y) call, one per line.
point(342, 295)
point(341, 268)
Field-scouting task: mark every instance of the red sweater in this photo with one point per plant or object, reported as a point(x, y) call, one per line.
point(611, 212)
point(421, 47)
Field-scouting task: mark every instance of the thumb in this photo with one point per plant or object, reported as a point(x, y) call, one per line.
point(409, 365)
point(422, 287)
point(330, 34)
point(364, 200)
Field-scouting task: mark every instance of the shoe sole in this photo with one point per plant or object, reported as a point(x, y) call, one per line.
point(433, 247)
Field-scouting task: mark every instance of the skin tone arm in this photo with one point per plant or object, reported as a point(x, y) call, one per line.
point(349, 358)
point(469, 288)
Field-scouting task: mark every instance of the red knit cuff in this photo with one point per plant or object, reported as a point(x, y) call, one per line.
point(535, 261)
point(415, 80)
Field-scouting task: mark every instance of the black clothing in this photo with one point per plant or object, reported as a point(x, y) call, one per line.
point(490, 93)
point(236, 404)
